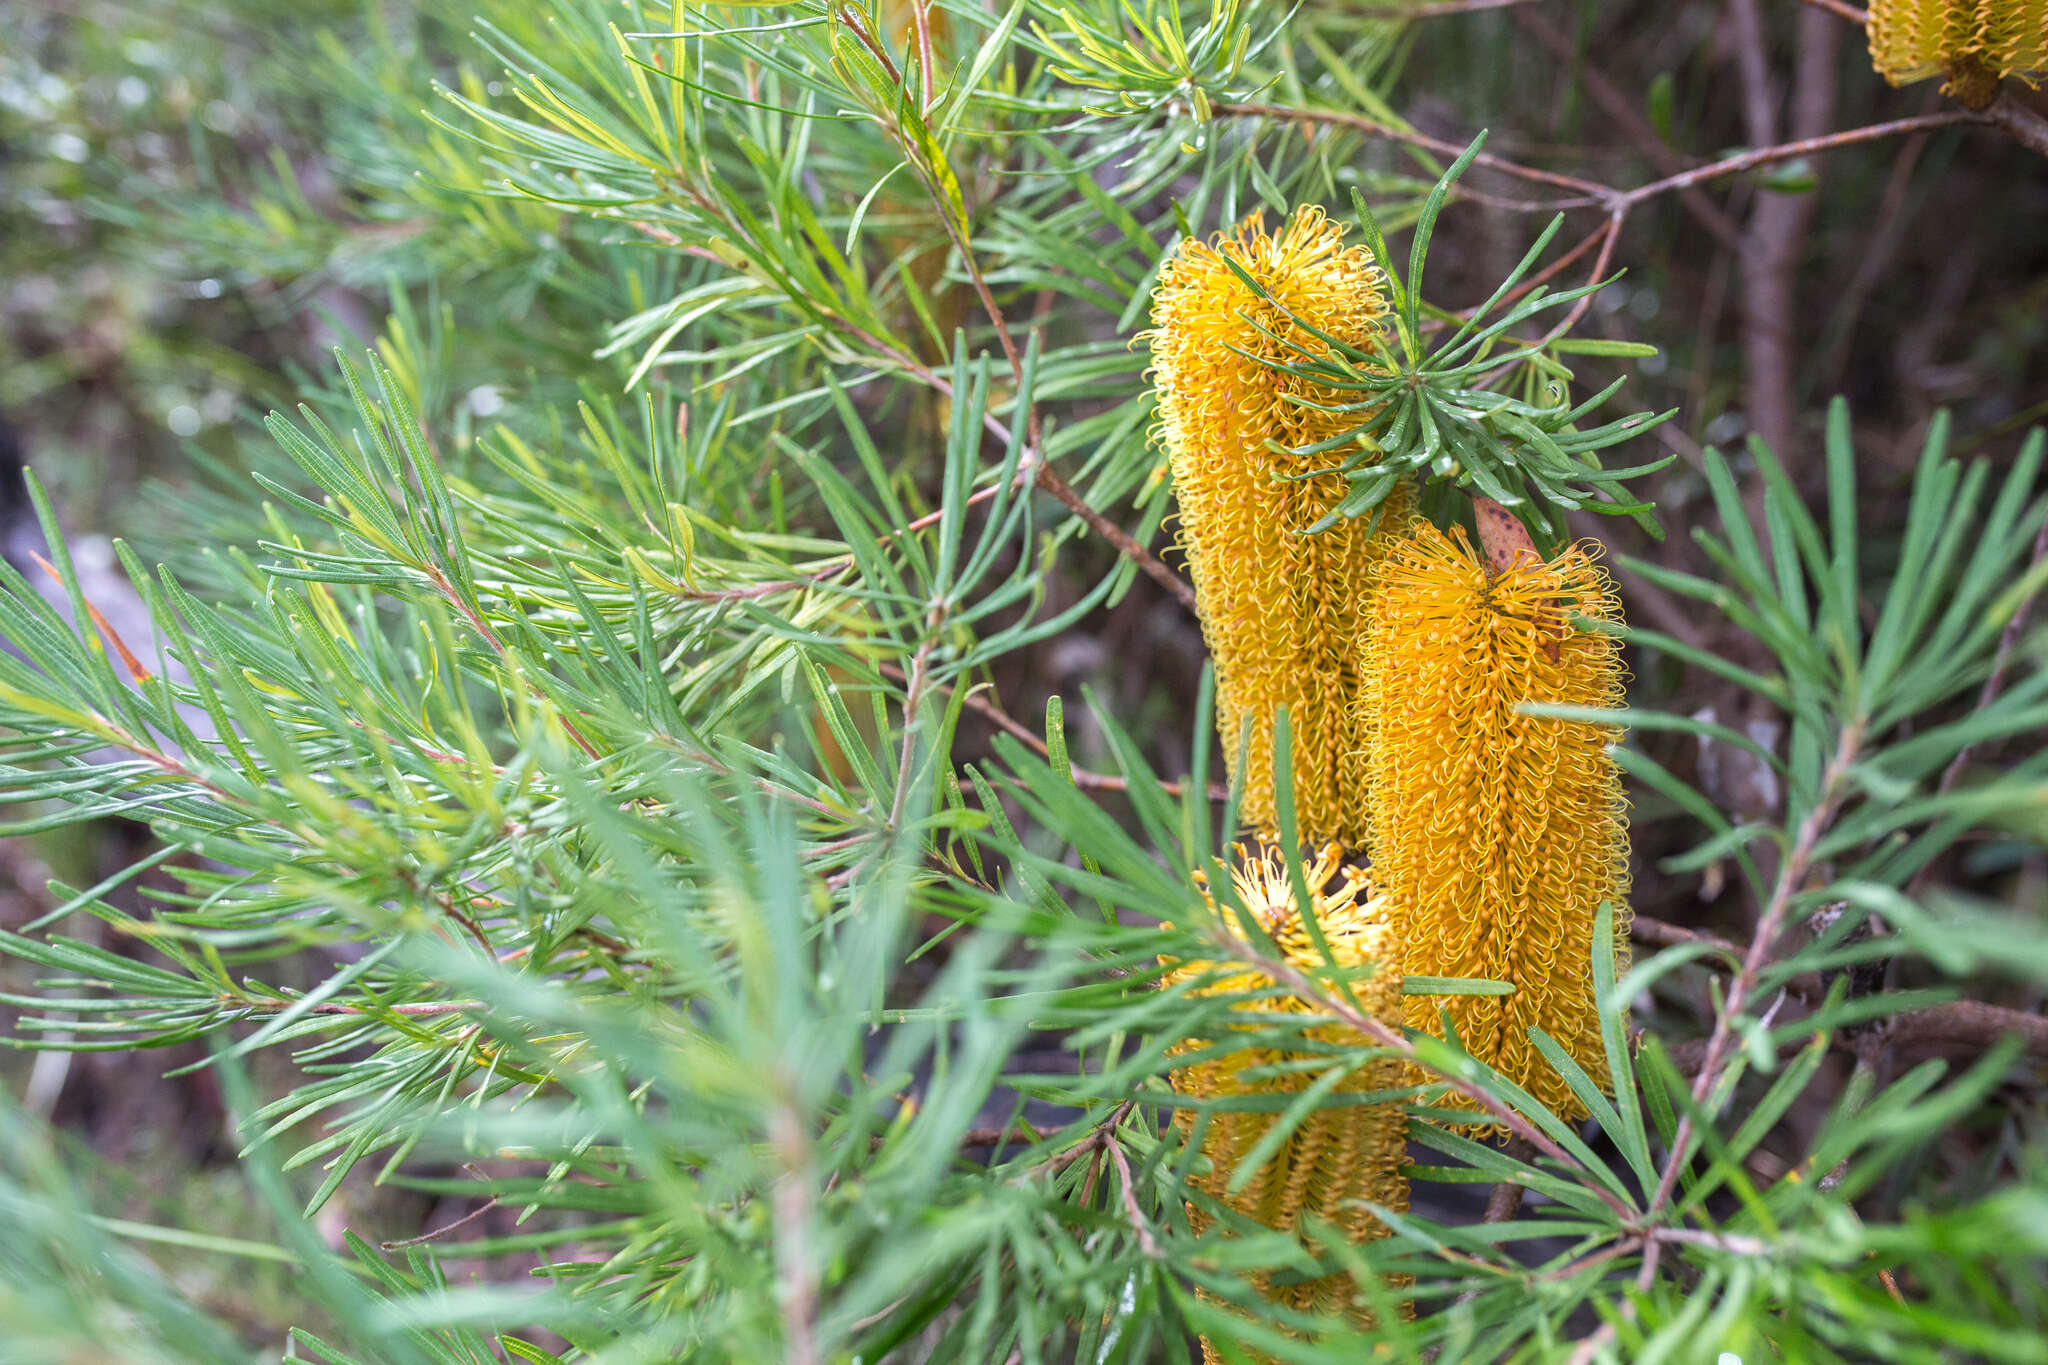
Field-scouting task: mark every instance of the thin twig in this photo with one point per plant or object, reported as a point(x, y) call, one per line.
point(424, 1009)
point(1506, 1200)
point(1594, 191)
point(1599, 272)
point(1966, 1023)
point(1557, 267)
point(1667, 935)
point(796, 1273)
point(2025, 126)
point(1734, 1243)
point(438, 1233)
point(1884, 241)
point(1010, 725)
point(1850, 12)
point(1031, 465)
point(1791, 151)
point(1437, 10)
point(1284, 974)
point(1179, 587)
point(1047, 479)
point(913, 697)
point(1791, 876)
point(483, 629)
point(1146, 1242)
point(921, 20)
point(1059, 1161)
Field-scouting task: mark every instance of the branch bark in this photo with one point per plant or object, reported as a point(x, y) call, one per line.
point(1775, 239)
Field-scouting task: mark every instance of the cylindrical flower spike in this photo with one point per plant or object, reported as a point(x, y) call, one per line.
point(1974, 43)
point(1283, 611)
point(1336, 1157)
point(1496, 835)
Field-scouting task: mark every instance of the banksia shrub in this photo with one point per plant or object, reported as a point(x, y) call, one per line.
point(1336, 1157)
point(1974, 43)
point(1284, 612)
point(1496, 835)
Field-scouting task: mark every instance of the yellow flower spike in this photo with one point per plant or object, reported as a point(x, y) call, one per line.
point(1974, 43)
point(1336, 1157)
point(1497, 835)
point(1283, 611)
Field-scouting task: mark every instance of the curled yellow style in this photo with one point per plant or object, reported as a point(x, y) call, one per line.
point(1337, 1156)
point(1974, 43)
point(1284, 612)
point(1496, 835)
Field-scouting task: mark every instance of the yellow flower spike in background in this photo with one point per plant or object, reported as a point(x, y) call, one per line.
point(1336, 1157)
point(1974, 43)
point(1284, 612)
point(1497, 835)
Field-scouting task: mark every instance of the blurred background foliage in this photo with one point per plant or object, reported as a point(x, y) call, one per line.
point(601, 288)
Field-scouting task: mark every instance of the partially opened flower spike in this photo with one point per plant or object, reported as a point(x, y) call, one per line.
point(1496, 834)
point(1336, 1157)
point(1284, 611)
point(1974, 44)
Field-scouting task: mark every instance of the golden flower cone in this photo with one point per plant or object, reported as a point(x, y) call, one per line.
point(1284, 612)
point(1497, 835)
point(1974, 43)
point(1336, 1156)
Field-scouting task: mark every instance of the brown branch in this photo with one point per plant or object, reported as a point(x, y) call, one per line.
point(1790, 151)
point(847, 15)
point(1506, 1200)
point(1597, 237)
point(921, 20)
point(1966, 1023)
point(1285, 974)
point(1146, 1242)
point(482, 627)
point(1752, 64)
point(913, 697)
point(1805, 986)
point(1594, 191)
point(1437, 10)
point(1667, 935)
point(1957, 1023)
point(1010, 725)
point(1093, 1143)
point(1791, 876)
point(1047, 479)
point(1846, 11)
point(424, 1009)
point(1776, 236)
point(438, 1233)
point(1182, 591)
point(1599, 271)
point(2025, 126)
point(796, 1271)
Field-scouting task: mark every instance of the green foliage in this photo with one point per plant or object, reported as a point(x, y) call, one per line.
point(1430, 414)
point(572, 793)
